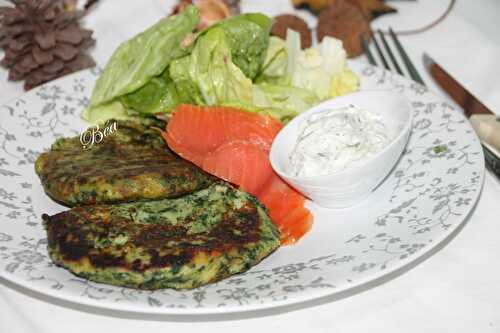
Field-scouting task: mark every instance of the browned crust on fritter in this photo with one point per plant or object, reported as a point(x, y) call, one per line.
point(72, 233)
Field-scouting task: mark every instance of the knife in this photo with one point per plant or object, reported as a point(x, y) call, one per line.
point(484, 122)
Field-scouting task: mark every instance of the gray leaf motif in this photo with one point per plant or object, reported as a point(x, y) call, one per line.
point(7, 195)
point(199, 296)
point(11, 109)
point(47, 108)
point(402, 206)
point(441, 204)
point(153, 302)
point(9, 205)
point(317, 283)
point(11, 268)
point(8, 173)
point(5, 237)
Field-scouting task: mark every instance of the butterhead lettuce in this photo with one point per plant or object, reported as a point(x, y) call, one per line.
point(275, 62)
point(233, 62)
point(295, 80)
point(321, 70)
point(280, 97)
point(105, 111)
point(318, 68)
point(248, 39)
point(283, 115)
point(161, 95)
point(141, 58)
point(210, 68)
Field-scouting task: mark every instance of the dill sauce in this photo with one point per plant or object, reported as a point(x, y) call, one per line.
point(332, 140)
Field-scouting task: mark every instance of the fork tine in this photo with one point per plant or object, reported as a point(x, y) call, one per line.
point(406, 60)
point(367, 51)
point(389, 52)
point(379, 52)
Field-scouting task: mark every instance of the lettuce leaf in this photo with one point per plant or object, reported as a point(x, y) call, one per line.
point(161, 95)
point(248, 38)
point(153, 72)
point(210, 68)
point(288, 98)
point(283, 115)
point(344, 83)
point(321, 69)
point(111, 110)
point(274, 68)
point(145, 56)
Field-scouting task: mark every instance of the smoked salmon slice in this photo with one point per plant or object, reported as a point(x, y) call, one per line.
point(234, 145)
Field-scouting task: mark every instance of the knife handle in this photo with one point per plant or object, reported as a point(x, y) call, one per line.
point(492, 161)
point(487, 128)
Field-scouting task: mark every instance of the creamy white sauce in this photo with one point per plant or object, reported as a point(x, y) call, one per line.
point(333, 140)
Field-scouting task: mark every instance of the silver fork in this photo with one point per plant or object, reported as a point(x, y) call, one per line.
point(491, 159)
point(412, 71)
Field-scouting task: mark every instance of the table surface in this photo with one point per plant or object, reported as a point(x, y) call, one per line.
point(456, 289)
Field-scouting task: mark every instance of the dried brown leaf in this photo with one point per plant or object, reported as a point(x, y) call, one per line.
point(345, 22)
point(372, 9)
point(314, 5)
point(286, 21)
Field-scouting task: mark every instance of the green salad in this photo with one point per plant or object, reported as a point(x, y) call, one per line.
point(234, 62)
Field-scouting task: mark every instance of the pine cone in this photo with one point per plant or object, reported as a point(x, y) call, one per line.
point(43, 40)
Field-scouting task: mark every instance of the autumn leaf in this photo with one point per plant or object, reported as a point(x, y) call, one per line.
point(314, 5)
point(371, 9)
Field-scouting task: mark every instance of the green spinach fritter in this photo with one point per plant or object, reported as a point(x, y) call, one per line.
point(178, 243)
point(131, 164)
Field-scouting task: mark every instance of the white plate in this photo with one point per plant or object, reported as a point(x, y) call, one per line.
point(426, 197)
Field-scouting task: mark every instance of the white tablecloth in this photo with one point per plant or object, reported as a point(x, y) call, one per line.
point(457, 289)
